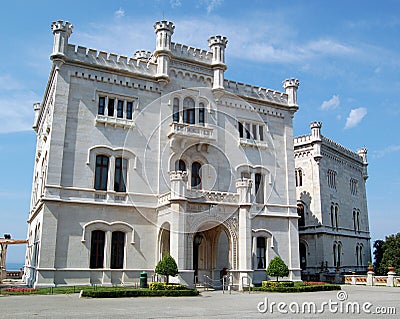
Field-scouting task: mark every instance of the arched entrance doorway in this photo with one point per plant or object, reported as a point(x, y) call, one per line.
point(164, 240)
point(211, 252)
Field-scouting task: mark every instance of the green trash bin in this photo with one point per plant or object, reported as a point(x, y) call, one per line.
point(143, 279)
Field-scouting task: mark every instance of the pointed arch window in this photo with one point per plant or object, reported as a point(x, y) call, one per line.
point(201, 114)
point(300, 212)
point(121, 165)
point(180, 165)
point(261, 249)
point(196, 178)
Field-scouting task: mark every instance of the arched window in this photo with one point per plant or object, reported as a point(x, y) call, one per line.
point(357, 255)
point(339, 255)
point(299, 177)
point(101, 172)
point(180, 165)
point(303, 256)
point(354, 220)
point(97, 249)
point(175, 111)
point(188, 111)
point(121, 165)
point(117, 250)
point(201, 114)
point(358, 220)
point(334, 255)
point(337, 216)
point(261, 247)
point(300, 212)
point(332, 216)
point(360, 249)
point(196, 178)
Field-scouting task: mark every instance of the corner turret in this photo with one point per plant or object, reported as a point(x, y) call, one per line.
point(164, 31)
point(316, 140)
point(61, 31)
point(291, 86)
point(362, 152)
point(217, 45)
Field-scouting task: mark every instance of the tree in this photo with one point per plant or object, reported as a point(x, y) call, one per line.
point(391, 254)
point(378, 255)
point(278, 268)
point(167, 267)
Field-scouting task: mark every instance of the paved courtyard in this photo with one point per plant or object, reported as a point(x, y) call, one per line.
point(209, 305)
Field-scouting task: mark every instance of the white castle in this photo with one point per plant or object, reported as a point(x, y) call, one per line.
point(157, 153)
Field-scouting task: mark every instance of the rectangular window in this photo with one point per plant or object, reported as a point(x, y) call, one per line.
point(110, 109)
point(248, 135)
point(201, 114)
point(120, 109)
point(101, 172)
point(129, 107)
point(120, 174)
point(117, 250)
point(102, 105)
point(261, 253)
point(254, 131)
point(97, 249)
point(240, 127)
point(261, 133)
point(259, 188)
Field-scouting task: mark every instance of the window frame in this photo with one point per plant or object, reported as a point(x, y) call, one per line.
point(97, 246)
point(101, 172)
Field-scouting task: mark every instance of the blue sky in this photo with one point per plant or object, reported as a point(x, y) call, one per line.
point(346, 55)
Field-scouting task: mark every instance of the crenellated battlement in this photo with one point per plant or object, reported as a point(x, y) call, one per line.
point(164, 25)
point(111, 60)
point(142, 54)
point(256, 92)
point(344, 150)
point(219, 40)
point(186, 52)
point(62, 26)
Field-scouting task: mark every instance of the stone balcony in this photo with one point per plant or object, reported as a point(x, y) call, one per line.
point(203, 196)
point(114, 121)
point(191, 131)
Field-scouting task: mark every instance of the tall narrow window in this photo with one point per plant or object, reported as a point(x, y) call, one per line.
point(101, 173)
point(120, 174)
point(196, 179)
point(180, 165)
point(358, 220)
point(300, 212)
point(337, 217)
point(339, 255)
point(97, 249)
point(254, 126)
point(355, 220)
point(334, 255)
point(120, 109)
point(175, 111)
point(332, 216)
point(201, 114)
point(117, 250)
point(188, 111)
point(240, 127)
point(259, 188)
point(360, 251)
point(110, 109)
point(357, 255)
point(248, 135)
point(261, 253)
point(261, 132)
point(129, 110)
point(102, 105)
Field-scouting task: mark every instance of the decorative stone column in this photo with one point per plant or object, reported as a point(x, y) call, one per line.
point(243, 187)
point(61, 32)
point(164, 31)
point(370, 277)
point(217, 45)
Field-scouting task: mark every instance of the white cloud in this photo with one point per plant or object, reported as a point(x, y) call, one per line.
point(355, 117)
point(331, 104)
point(119, 13)
point(7, 82)
point(175, 3)
point(211, 5)
point(386, 151)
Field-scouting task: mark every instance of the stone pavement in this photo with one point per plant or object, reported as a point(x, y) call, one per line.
point(211, 304)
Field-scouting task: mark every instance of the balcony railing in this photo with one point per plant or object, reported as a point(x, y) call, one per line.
point(191, 130)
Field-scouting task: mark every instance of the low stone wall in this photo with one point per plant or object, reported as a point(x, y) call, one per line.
point(391, 280)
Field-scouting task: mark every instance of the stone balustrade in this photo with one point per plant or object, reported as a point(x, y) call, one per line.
point(191, 130)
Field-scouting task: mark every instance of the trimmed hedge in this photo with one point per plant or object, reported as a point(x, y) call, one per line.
point(276, 284)
point(138, 293)
point(165, 286)
point(304, 288)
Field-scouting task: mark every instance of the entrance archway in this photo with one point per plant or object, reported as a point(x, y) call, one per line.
point(211, 252)
point(164, 240)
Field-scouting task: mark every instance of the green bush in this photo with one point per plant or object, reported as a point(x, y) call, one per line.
point(275, 284)
point(138, 293)
point(277, 268)
point(165, 286)
point(167, 267)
